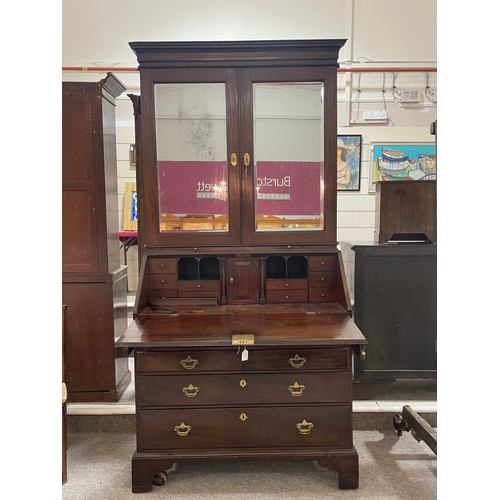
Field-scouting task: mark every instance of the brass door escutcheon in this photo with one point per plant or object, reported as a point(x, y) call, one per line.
point(234, 159)
point(246, 162)
point(305, 427)
point(297, 361)
point(182, 429)
point(189, 363)
point(190, 391)
point(296, 389)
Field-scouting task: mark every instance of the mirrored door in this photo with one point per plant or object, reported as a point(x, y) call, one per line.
point(191, 148)
point(288, 113)
point(288, 128)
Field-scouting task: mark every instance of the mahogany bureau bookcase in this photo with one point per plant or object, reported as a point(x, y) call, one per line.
point(242, 334)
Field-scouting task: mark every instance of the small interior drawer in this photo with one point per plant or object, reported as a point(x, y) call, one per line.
point(198, 285)
point(287, 296)
point(322, 262)
point(289, 284)
point(162, 265)
point(160, 281)
point(322, 279)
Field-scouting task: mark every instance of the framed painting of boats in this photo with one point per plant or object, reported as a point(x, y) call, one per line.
point(348, 162)
point(398, 161)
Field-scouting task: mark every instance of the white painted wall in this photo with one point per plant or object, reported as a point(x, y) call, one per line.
point(384, 33)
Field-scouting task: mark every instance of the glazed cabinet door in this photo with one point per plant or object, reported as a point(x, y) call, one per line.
point(289, 188)
point(190, 183)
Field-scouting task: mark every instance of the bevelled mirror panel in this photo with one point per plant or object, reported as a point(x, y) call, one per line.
point(288, 121)
point(191, 145)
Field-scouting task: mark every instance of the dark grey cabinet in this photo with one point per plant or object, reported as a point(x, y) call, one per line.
point(395, 306)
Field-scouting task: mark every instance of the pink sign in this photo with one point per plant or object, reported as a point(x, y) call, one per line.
point(283, 188)
point(195, 193)
point(288, 187)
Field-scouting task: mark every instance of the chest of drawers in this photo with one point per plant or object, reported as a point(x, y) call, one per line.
point(291, 399)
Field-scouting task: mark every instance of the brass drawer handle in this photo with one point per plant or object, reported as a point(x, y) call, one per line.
point(297, 361)
point(305, 427)
point(296, 389)
point(189, 363)
point(191, 391)
point(182, 429)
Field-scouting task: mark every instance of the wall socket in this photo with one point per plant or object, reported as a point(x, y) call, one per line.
point(410, 95)
point(374, 115)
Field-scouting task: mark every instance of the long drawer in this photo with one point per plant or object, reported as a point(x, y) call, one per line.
point(285, 426)
point(263, 389)
point(259, 359)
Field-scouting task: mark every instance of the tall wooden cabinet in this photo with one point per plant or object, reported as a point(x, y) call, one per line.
point(94, 284)
point(242, 333)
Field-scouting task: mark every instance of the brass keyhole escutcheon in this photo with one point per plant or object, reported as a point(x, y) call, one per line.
point(243, 382)
point(246, 159)
point(243, 417)
point(234, 159)
point(246, 162)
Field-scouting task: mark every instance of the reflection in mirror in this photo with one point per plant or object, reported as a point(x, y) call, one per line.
point(190, 120)
point(289, 146)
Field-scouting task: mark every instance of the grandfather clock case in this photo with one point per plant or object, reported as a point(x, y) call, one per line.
point(242, 334)
point(94, 284)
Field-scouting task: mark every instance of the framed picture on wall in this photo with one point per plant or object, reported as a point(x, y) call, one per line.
point(401, 161)
point(130, 217)
point(348, 162)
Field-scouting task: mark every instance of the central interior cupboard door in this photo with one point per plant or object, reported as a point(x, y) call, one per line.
point(191, 131)
point(288, 176)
